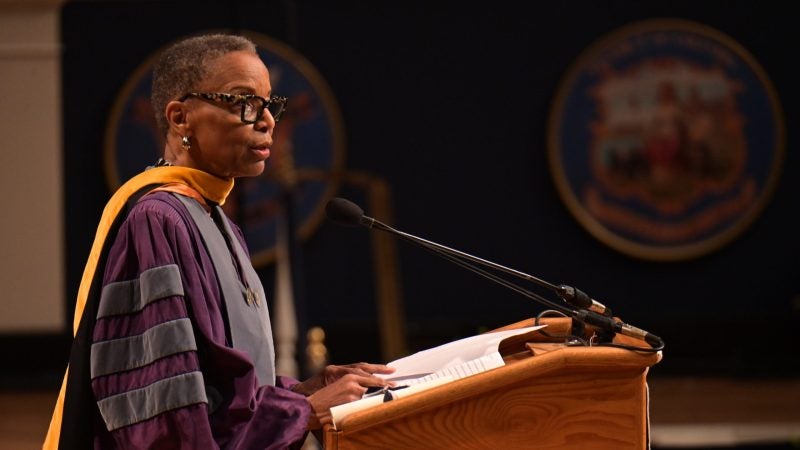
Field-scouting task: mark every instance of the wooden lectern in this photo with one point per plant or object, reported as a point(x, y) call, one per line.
point(547, 396)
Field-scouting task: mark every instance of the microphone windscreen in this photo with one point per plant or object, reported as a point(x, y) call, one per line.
point(344, 212)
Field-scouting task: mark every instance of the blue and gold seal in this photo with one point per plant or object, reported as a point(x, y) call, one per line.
point(666, 139)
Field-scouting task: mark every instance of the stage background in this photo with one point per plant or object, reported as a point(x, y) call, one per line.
point(448, 104)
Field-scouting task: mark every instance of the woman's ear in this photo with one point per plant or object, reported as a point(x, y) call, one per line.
point(177, 117)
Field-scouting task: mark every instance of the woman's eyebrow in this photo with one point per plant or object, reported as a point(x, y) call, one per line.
point(241, 89)
point(246, 90)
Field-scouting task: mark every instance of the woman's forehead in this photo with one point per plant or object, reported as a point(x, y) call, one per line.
point(237, 70)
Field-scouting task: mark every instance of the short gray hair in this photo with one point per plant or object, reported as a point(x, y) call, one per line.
point(182, 65)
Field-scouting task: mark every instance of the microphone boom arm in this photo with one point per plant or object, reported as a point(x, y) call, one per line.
point(571, 295)
point(589, 310)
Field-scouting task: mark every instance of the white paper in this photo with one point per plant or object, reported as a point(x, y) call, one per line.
point(466, 356)
point(472, 367)
point(340, 412)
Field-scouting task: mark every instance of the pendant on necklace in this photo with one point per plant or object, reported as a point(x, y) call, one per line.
point(248, 297)
point(251, 298)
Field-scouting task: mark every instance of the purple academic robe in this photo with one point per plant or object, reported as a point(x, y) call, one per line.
point(164, 372)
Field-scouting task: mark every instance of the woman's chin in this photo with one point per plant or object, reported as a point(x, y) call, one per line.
point(252, 170)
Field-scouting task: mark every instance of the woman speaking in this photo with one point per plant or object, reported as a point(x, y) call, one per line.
point(173, 343)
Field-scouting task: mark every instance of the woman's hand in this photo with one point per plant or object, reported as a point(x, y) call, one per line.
point(331, 374)
point(336, 385)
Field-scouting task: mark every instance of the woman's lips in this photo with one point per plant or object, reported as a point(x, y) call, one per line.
point(261, 150)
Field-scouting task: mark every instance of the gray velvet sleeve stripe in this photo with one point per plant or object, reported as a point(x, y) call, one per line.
point(162, 340)
point(125, 297)
point(141, 404)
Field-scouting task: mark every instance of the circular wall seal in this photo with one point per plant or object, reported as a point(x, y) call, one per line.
point(666, 139)
point(307, 155)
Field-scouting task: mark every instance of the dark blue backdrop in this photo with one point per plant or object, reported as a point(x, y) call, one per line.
point(449, 104)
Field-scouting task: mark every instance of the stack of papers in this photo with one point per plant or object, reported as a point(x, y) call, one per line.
point(436, 366)
point(457, 359)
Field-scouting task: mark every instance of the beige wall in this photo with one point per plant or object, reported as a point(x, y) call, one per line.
point(31, 224)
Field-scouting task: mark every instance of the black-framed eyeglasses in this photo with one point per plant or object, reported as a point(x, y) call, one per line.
point(252, 105)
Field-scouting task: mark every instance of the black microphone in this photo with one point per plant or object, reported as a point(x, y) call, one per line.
point(608, 323)
point(347, 213)
point(577, 297)
point(344, 212)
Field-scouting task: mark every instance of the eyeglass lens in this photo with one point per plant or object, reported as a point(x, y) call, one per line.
point(253, 107)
